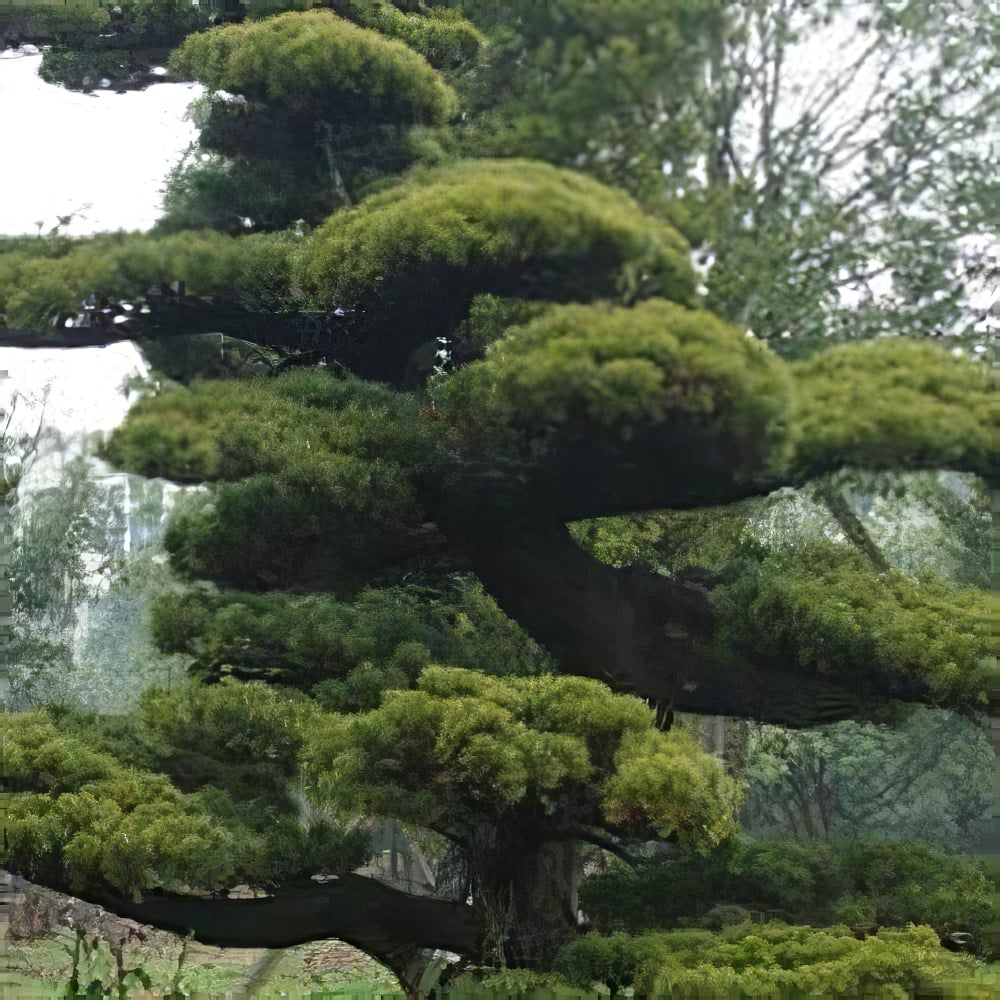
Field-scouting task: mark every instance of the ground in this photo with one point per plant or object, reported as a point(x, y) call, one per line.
point(38, 956)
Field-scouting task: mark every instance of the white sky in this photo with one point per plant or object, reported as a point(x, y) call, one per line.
point(102, 155)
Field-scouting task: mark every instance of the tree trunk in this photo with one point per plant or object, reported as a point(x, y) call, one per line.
point(526, 895)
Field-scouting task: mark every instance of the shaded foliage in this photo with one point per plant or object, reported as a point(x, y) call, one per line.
point(926, 778)
point(327, 477)
point(823, 606)
point(867, 885)
point(346, 653)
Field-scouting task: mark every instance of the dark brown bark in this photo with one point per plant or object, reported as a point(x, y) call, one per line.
point(525, 886)
point(392, 926)
point(637, 631)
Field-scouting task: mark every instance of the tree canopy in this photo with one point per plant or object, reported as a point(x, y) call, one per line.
point(484, 468)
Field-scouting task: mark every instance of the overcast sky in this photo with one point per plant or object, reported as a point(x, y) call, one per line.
point(102, 157)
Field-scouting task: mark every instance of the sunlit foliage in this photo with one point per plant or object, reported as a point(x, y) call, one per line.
point(444, 37)
point(502, 226)
point(892, 403)
point(320, 62)
point(476, 747)
point(592, 371)
point(764, 959)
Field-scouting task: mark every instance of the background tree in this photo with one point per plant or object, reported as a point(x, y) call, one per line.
point(827, 199)
point(926, 779)
point(855, 197)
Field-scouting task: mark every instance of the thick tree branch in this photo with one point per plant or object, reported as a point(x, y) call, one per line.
point(392, 926)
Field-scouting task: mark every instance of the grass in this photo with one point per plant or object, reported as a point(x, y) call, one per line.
point(44, 966)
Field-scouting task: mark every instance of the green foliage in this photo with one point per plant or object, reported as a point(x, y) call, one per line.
point(667, 541)
point(92, 817)
point(97, 821)
point(612, 87)
point(240, 192)
point(820, 608)
point(317, 62)
point(232, 723)
point(231, 430)
point(45, 280)
point(464, 748)
point(314, 468)
point(657, 892)
point(865, 884)
point(501, 226)
point(88, 45)
point(910, 883)
point(927, 778)
point(791, 875)
point(662, 783)
point(304, 110)
point(594, 958)
point(893, 403)
point(350, 651)
point(769, 959)
point(441, 35)
point(591, 371)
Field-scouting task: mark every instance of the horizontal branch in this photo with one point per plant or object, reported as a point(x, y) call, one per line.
point(390, 925)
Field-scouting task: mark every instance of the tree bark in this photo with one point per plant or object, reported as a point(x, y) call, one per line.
point(639, 632)
point(394, 927)
point(525, 887)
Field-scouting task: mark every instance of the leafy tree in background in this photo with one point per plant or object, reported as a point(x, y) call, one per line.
point(614, 88)
point(856, 200)
point(829, 200)
point(863, 885)
point(92, 48)
point(926, 779)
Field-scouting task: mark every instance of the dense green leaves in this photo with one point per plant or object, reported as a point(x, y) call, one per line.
point(892, 403)
point(511, 226)
point(328, 473)
point(464, 748)
point(44, 280)
point(97, 813)
point(441, 35)
point(318, 61)
point(770, 960)
point(351, 652)
point(100, 821)
point(863, 884)
point(822, 609)
point(593, 371)
point(305, 109)
point(611, 87)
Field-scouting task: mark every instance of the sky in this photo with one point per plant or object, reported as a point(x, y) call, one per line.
point(101, 157)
